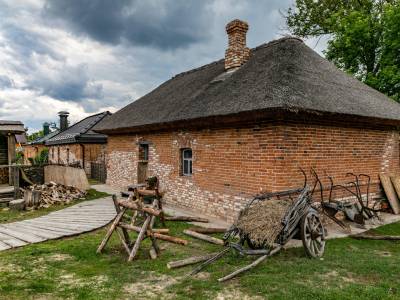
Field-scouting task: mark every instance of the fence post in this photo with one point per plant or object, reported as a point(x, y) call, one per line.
point(17, 192)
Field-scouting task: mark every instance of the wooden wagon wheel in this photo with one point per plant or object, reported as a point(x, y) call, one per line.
point(312, 234)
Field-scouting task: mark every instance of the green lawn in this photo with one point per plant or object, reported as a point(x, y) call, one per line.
point(70, 268)
point(7, 216)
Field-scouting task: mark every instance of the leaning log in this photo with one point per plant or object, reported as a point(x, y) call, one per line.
point(376, 237)
point(204, 237)
point(189, 261)
point(208, 230)
point(187, 219)
point(250, 266)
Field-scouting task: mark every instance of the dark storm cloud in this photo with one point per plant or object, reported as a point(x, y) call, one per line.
point(70, 83)
point(160, 24)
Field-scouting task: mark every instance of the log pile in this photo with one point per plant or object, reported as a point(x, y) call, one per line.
point(51, 193)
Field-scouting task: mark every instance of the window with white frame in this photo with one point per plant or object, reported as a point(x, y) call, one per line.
point(187, 162)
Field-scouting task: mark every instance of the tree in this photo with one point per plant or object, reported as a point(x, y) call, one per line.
point(364, 37)
point(35, 135)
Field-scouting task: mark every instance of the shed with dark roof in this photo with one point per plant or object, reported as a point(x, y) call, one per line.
point(218, 134)
point(78, 145)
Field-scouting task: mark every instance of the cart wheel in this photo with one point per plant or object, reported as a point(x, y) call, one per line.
point(312, 234)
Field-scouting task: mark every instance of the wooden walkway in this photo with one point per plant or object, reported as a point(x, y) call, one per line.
point(77, 219)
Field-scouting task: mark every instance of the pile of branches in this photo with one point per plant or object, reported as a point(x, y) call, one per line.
point(262, 221)
point(51, 193)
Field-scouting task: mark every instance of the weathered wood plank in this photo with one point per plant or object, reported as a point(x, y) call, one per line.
point(4, 246)
point(11, 241)
point(29, 238)
point(390, 192)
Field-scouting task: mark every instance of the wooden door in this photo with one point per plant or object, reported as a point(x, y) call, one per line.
point(142, 172)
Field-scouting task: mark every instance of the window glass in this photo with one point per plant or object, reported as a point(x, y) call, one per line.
point(187, 164)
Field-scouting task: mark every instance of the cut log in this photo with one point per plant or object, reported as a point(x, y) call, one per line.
point(204, 237)
point(207, 230)
point(189, 261)
point(134, 206)
point(187, 219)
point(147, 193)
point(171, 239)
point(111, 230)
point(153, 253)
point(139, 238)
point(376, 237)
point(390, 193)
point(149, 232)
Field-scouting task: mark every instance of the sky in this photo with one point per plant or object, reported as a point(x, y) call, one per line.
point(88, 56)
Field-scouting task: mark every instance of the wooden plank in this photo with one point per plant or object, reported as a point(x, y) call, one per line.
point(396, 184)
point(54, 229)
point(390, 192)
point(11, 241)
point(39, 232)
point(4, 246)
point(29, 238)
point(81, 228)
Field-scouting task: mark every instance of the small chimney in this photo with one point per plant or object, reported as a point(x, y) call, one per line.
point(63, 120)
point(46, 128)
point(237, 53)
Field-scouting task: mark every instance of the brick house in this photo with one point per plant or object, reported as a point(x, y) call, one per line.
point(32, 149)
point(78, 145)
point(218, 134)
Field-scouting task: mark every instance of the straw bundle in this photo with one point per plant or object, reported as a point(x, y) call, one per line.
point(262, 221)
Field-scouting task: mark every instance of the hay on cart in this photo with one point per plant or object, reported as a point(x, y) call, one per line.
point(261, 222)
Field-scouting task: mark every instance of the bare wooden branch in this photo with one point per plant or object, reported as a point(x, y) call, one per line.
point(204, 237)
point(250, 266)
point(189, 261)
point(187, 219)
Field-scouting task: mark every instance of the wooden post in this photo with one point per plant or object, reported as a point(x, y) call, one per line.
point(11, 157)
point(204, 237)
point(17, 192)
point(118, 210)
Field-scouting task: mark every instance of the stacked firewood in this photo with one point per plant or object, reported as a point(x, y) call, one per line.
point(51, 193)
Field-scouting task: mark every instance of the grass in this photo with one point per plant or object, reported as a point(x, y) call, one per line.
point(7, 216)
point(70, 268)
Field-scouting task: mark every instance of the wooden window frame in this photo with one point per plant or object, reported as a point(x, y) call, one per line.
point(189, 160)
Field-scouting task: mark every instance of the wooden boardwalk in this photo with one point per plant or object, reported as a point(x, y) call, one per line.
point(77, 219)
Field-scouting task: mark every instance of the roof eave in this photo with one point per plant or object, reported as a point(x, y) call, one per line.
point(255, 116)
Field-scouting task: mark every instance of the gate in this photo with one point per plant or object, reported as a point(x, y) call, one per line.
point(98, 171)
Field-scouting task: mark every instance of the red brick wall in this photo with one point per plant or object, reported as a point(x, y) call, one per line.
point(31, 151)
point(232, 164)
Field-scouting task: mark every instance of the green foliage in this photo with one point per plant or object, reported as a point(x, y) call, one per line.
point(41, 159)
point(364, 37)
point(35, 135)
point(19, 158)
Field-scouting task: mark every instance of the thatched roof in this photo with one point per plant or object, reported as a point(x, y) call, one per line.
point(81, 132)
point(282, 75)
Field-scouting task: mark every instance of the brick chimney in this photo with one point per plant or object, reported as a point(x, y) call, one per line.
point(63, 120)
point(237, 53)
